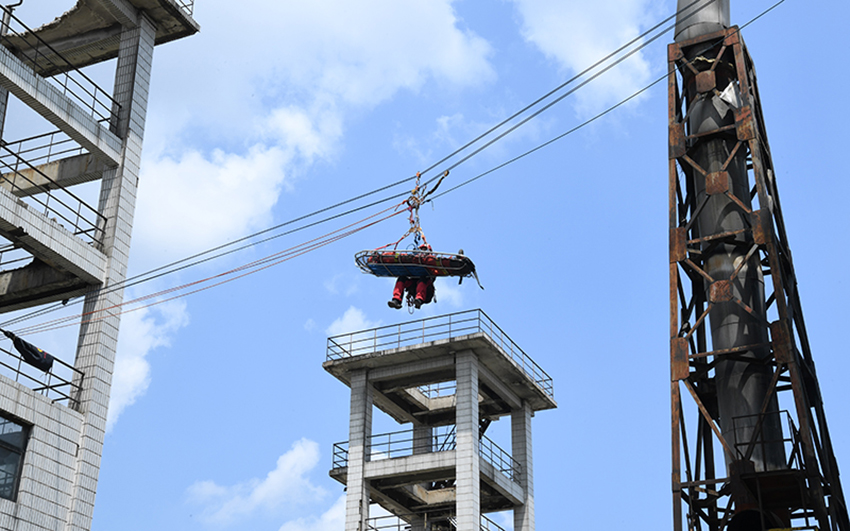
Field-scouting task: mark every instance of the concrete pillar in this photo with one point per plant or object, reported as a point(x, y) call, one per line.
point(417, 524)
point(4, 104)
point(467, 462)
point(98, 339)
point(423, 442)
point(521, 451)
point(4, 94)
point(422, 439)
point(359, 448)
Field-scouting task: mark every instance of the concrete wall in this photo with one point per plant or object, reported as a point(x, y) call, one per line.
point(44, 494)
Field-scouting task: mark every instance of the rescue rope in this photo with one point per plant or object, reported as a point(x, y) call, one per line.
point(418, 196)
point(245, 270)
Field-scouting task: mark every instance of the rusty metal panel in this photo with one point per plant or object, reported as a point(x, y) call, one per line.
point(678, 244)
point(679, 366)
point(677, 140)
point(721, 291)
point(706, 81)
point(674, 53)
point(745, 124)
point(780, 338)
point(733, 37)
point(717, 183)
point(761, 223)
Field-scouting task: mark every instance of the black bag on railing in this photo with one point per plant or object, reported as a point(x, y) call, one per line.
point(32, 354)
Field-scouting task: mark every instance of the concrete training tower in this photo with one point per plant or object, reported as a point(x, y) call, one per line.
point(58, 247)
point(448, 377)
point(738, 343)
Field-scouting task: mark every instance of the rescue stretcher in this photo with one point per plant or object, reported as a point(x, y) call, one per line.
point(414, 263)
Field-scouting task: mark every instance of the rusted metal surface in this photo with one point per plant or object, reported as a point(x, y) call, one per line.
point(805, 491)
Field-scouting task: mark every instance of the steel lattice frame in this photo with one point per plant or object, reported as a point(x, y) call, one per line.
point(705, 495)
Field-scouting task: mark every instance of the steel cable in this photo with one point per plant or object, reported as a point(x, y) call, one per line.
point(172, 267)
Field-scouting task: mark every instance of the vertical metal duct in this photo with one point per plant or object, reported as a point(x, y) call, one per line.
point(741, 385)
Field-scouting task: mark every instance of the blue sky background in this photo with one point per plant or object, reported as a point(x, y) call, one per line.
point(222, 417)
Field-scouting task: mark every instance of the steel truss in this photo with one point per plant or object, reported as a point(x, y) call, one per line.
point(806, 492)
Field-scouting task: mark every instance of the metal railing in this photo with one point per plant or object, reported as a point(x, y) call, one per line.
point(188, 6)
point(431, 329)
point(399, 444)
point(500, 459)
point(439, 389)
point(490, 525)
point(789, 437)
point(41, 149)
point(55, 200)
point(61, 384)
point(49, 63)
point(405, 443)
point(12, 257)
point(424, 522)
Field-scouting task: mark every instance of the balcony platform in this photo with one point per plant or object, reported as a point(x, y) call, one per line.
point(405, 361)
point(89, 33)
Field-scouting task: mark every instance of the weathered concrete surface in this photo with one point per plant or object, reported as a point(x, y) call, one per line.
point(61, 173)
point(91, 31)
point(37, 283)
point(457, 474)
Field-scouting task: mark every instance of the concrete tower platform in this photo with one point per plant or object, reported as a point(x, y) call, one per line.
point(448, 377)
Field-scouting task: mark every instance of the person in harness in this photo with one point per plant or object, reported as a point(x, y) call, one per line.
point(420, 289)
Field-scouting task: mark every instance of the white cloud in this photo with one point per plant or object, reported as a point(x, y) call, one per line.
point(576, 35)
point(272, 111)
point(363, 52)
point(343, 283)
point(352, 320)
point(197, 201)
point(284, 487)
point(272, 114)
point(448, 292)
point(309, 132)
point(315, 61)
point(141, 332)
point(332, 520)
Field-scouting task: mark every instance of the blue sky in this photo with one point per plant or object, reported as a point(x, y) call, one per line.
point(222, 417)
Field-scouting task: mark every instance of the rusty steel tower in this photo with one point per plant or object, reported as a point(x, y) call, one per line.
point(750, 445)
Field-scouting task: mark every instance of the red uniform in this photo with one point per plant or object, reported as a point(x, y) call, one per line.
point(422, 288)
point(418, 286)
